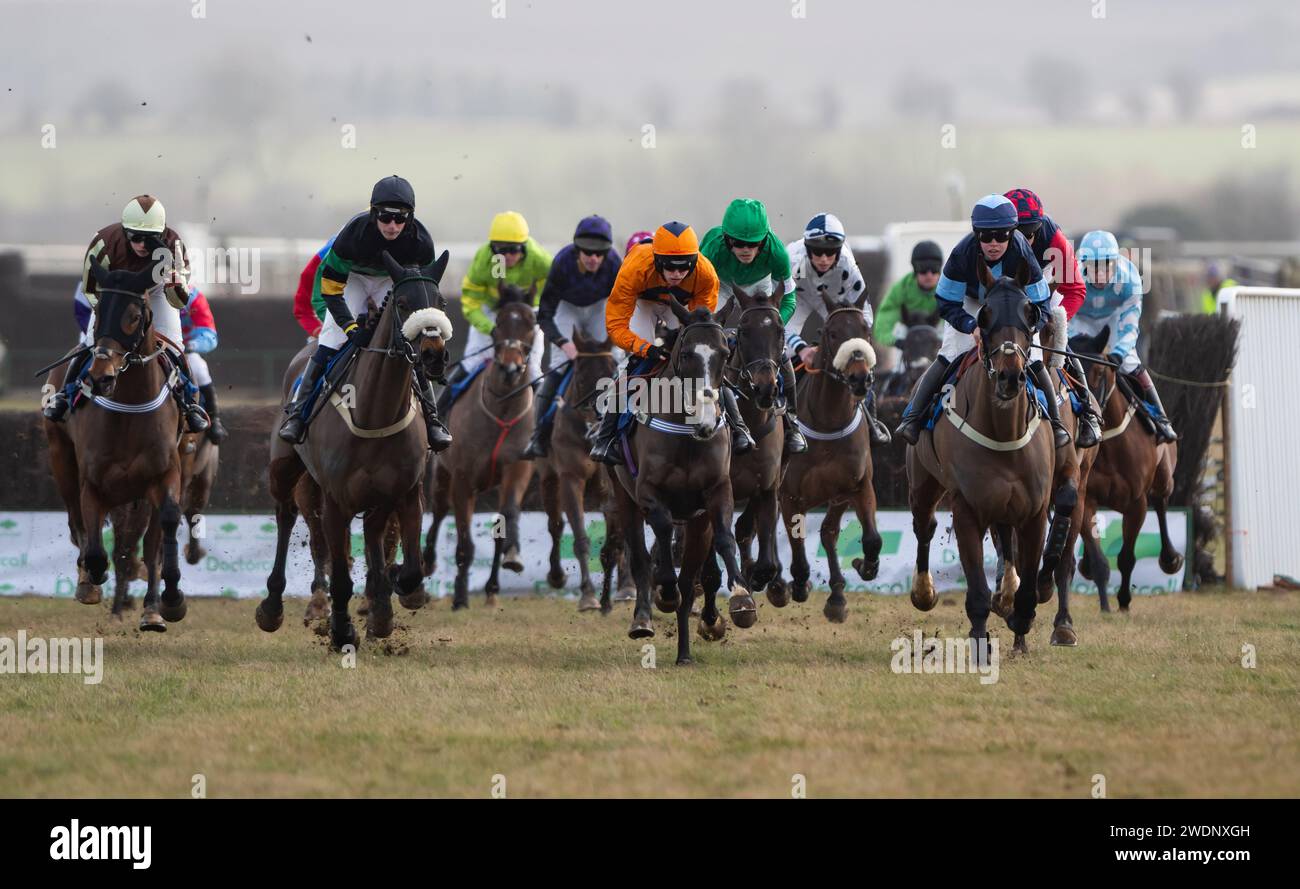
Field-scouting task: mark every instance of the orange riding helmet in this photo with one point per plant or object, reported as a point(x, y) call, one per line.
point(675, 246)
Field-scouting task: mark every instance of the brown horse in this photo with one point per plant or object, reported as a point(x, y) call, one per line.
point(754, 368)
point(567, 470)
point(199, 457)
point(120, 448)
point(682, 474)
point(992, 454)
point(366, 450)
point(836, 470)
point(1131, 471)
point(491, 430)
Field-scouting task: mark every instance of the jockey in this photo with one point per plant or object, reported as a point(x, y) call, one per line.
point(995, 239)
point(1114, 300)
point(823, 264)
point(131, 246)
point(746, 252)
point(511, 256)
point(670, 268)
point(638, 238)
point(914, 292)
point(1055, 254)
point(579, 281)
point(308, 308)
point(351, 274)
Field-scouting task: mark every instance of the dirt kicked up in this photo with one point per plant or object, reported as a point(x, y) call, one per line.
point(533, 699)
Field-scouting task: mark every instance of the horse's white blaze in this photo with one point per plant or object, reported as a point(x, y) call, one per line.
point(854, 348)
point(427, 322)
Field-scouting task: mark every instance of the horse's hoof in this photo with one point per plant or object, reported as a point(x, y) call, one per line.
point(867, 570)
point(266, 621)
point(588, 602)
point(713, 632)
point(89, 593)
point(1065, 637)
point(924, 595)
point(363, 607)
point(512, 562)
point(685, 662)
point(836, 611)
point(317, 608)
point(1003, 603)
point(744, 612)
point(667, 606)
point(777, 593)
point(625, 595)
point(173, 612)
point(194, 554)
point(1105, 608)
point(115, 615)
point(347, 636)
point(1172, 564)
point(1046, 586)
point(641, 629)
point(459, 604)
point(491, 600)
point(414, 600)
point(799, 591)
point(152, 622)
point(555, 577)
point(1021, 645)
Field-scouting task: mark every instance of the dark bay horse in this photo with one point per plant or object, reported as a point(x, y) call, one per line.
point(366, 450)
point(754, 369)
point(682, 455)
point(919, 346)
point(568, 468)
point(1131, 471)
point(994, 456)
point(121, 449)
point(491, 428)
point(836, 470)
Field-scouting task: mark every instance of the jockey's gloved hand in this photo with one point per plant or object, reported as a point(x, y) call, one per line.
point(656, 353)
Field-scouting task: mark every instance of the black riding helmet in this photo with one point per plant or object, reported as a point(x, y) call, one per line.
point(392, 191)
point(927, 256)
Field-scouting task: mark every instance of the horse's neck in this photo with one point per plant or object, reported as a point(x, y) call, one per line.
point(1002, 422)
point(383, 384)
point(829, 404)
point(1112, 412)
point(142, 382)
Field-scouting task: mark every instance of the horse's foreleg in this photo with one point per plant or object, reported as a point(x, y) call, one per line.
point(923, 497)
point(1134, 516)
point(665, 574)
point(338, 539)
point(796, 531)
point(633, 529)
point(696, 547)
point(410, 578)
point(93, 555)
point(1008, 575)
point(1029, 542)
point(744, 533)
point(127, 531)
point(554, 525)
point(1065, 501)
point(514, 481)
point(379, 591)
point(1170, 558)
point(763, 507)
point(463, 499)
point(172, 605)
point(864, 504)
point(1062, 625)
point(150, 619)
point(270, 611)
point(837, 607)
point(744, 612)
point(970, 548)
point(439, 506)
point(571, 491)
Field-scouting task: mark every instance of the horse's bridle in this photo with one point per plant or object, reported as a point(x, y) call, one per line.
point(744, 382)
point(131, 356)
point(398, 345)
point(575, 404)
point(830, 371)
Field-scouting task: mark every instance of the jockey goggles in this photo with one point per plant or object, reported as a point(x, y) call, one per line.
point(1000, 235)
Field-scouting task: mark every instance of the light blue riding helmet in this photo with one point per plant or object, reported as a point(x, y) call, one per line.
point(1097, 245)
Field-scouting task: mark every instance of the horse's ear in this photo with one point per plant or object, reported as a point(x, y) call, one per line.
point(501, 289)
point(395, 269)
point(144, 280)
point(680, 311)
point(532, 294)
point(982, 317)
point(1031, 315)
point(932, 319)
point(831, 305)
point(578, 339)
point(1101, 339)
point(862, 297)
point(982, 269)
point(721, 315)
point(437, 268)
point(906, 317)
point(742, 296)
point(1023, 274)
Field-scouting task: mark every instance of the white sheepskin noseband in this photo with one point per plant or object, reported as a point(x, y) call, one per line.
point(854, 348)
point(427, 322)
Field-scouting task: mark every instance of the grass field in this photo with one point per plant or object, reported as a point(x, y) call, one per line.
point(558, 703)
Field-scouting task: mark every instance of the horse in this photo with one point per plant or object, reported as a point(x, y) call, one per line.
point(919, 346)
point(123, 448)
point(199, 458)
point(491, 430)
point(992, 453)
point(678, 470)
point(1131, 471)
point(836, 470)
point(754, 369)
point(566, 471)
point(367, 452)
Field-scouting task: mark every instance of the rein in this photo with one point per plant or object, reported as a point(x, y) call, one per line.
point(832, 374)
point(503, 426)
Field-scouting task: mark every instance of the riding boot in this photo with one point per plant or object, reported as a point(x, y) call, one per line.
point(795, 443)
point(294, 429)
point(741, 441)
point(914, 415)
point(56, 408)
point(196, 418)
point(217, 432)
point(1043, 381)
point(540, 444)
point(1147, 390)
point(1089, 434)
point(444, 398)
point(439, 437)
point(604, 447)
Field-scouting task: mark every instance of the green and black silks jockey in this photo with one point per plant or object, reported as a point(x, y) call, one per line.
point(746, 254)
point(351, 275)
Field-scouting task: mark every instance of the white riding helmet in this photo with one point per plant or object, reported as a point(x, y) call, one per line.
point(144, 213)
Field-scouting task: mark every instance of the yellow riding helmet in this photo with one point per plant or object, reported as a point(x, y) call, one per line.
point(509, 227)
point(144, 213)
point(676, 239)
